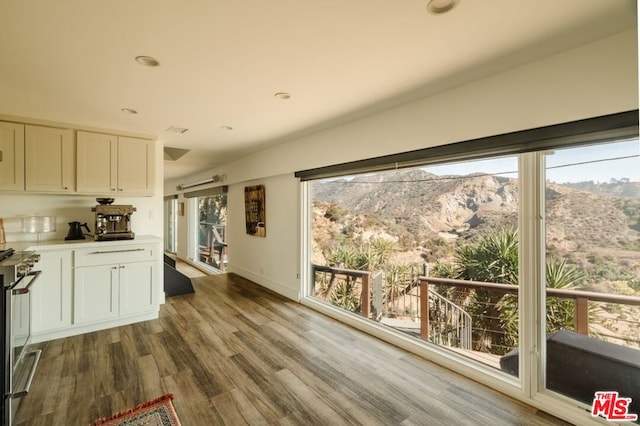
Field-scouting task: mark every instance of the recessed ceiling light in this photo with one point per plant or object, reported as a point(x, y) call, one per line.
point(282, 95)
point(438, 7)
point(129, 110)
point(147, 61)
point(226, 127)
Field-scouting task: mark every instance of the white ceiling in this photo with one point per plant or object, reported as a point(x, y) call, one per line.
point(222, 61)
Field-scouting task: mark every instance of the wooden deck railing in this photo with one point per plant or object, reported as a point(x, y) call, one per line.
point(581, 299)
point(365, 297)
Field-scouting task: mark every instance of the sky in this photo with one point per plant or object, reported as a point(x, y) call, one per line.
point(569, 171)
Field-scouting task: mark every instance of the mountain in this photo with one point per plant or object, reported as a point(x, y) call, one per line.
point(615, 187)
point(420, 208)
point(594, 225)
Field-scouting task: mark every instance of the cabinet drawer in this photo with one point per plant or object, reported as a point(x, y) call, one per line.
point(112, 254)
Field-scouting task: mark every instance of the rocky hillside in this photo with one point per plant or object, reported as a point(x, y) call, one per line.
point(428, 214)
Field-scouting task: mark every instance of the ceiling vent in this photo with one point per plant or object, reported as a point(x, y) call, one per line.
point(174, 154)
point(174, 129)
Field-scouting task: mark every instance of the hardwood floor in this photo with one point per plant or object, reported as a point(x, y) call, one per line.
point(235, 354)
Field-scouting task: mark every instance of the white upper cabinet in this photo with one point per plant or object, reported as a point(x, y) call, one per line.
point(11, 156)
point(49, 159)
point(97, 163)
point(110, 164)
point(136, 162)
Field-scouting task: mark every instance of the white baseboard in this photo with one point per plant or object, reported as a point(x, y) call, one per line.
point(293, 294)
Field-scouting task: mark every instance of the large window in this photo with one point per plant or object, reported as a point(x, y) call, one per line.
point(593, 270)
point(525, 265)
point(376, 235)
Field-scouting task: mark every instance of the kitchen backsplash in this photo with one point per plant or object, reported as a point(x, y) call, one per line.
point(71, 208)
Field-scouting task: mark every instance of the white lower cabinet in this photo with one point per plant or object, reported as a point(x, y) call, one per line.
point(109, 291)
point(95, 288)
point(95, 293)
point(137, 289)
point(104, 289)
point(51, 293)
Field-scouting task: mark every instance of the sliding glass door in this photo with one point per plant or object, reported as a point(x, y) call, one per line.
point(207, 227)
point(212, 231)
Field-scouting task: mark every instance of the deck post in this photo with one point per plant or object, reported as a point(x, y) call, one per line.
point(581, 315)
point(365, 297)
point(424, 309)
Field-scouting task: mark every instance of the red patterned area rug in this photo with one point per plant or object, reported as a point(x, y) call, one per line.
point(158, 412)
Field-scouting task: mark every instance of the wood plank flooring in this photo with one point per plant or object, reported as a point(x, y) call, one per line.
point(234, 353)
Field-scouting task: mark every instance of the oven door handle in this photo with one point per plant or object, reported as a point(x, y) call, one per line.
point(24, 290)
point(32, 372)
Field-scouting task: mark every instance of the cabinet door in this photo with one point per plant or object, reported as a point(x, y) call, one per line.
point(51, 294)
point(136, 171)
point(97, 165)
point(137, 291)
point(49, 159)
point(11, 156)
point(95, 291)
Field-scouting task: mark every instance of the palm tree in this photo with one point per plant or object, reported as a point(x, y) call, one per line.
point(559, 311)
point(494, 258)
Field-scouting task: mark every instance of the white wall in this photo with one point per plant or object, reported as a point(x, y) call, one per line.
point(595, 79)
point(272, 261)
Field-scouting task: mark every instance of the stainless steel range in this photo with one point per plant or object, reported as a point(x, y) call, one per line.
point(19, 365)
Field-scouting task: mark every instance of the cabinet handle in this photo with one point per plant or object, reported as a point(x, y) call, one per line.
point(65, 187)
point(119, 189)
point(116, 251)
point(0, 155)
point(113, 189)
point(114, 267)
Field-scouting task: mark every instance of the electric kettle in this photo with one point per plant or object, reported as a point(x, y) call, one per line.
point(75, 231)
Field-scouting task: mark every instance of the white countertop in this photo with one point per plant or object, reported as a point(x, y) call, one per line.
point(73, 244)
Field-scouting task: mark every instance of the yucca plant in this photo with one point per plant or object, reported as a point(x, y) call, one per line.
point(493, 258)
point(345, 296)
point(384, 248)
point(399, 280)
point(560, 312)
point(370, 256)
point(342, 257)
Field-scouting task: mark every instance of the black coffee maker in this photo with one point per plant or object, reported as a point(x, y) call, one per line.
point(75, 231)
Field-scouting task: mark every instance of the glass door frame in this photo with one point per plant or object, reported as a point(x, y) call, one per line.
point(192, 228)
point(171, 225)
point(193, 225)
point(532, 247)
